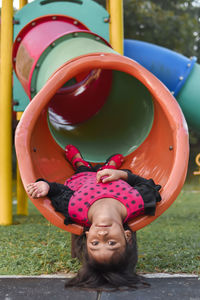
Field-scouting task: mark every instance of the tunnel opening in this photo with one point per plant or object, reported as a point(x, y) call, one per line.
point(104, 112)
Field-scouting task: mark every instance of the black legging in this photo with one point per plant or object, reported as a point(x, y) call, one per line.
point(88, 169)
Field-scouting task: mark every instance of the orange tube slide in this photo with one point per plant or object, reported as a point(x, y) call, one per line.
point(163, 155)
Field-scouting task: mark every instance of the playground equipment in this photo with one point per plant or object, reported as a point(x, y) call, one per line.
point(83, 92)
point(127, 109)
point(179, 73)
point(6, 115)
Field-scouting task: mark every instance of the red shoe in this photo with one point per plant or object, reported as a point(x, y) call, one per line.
point(117, 158)
point(70, 152)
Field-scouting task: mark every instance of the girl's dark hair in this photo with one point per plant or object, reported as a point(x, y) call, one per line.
point(117, 275)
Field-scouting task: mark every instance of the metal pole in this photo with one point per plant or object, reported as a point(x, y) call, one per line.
point(115, 9)
point(6, 113)
point(22, 200)
point(108, 6)
point(22, 3)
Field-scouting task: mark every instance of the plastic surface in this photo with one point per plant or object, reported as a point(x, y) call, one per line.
point(189, 99)
point(179, 73)
point(126, 116)
point(46, 43)
point(163, 155)
point(67, 47)
point(170, 67)
point(93, 15)
point(32, 41)
point(88, 12)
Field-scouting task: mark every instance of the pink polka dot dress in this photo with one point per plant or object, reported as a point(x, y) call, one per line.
point(87, 191)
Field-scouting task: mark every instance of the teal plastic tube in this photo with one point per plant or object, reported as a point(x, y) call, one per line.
point(189, 99)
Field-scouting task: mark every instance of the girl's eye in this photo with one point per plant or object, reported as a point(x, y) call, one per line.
point(94, 243)
point(111, 243)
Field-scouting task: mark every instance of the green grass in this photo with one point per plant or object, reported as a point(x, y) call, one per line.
point(172, 242)
point(32, 246)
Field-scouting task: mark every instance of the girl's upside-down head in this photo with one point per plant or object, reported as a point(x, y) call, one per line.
point(114, 271)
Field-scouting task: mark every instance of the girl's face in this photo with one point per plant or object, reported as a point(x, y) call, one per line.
point(105, 240)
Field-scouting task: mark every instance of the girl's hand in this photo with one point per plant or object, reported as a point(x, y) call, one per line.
point(38, 189)
point(108, 175)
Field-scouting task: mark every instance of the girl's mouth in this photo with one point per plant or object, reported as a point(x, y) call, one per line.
point(102, 225)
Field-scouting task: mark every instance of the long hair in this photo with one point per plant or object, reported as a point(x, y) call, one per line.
point(118, 274)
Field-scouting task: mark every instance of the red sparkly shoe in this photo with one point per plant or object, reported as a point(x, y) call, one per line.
point(70, 152)
point(117, 158)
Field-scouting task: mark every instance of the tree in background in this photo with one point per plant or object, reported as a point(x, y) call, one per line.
point(171, 24)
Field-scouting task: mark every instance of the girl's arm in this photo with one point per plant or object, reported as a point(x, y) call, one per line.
point(59, 194)
point(133, 179)
point(108, 175)
point(42, 188)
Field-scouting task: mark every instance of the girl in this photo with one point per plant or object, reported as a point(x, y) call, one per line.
point(88, 198)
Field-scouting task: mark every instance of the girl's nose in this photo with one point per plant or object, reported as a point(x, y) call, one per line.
point(102, 232)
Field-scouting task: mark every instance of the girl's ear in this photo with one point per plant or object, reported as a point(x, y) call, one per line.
point(86, 233)
point(128, 235)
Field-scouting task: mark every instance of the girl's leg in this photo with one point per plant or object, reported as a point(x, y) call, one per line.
point(78, 162)
point(73, 156)
point(113, 162)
